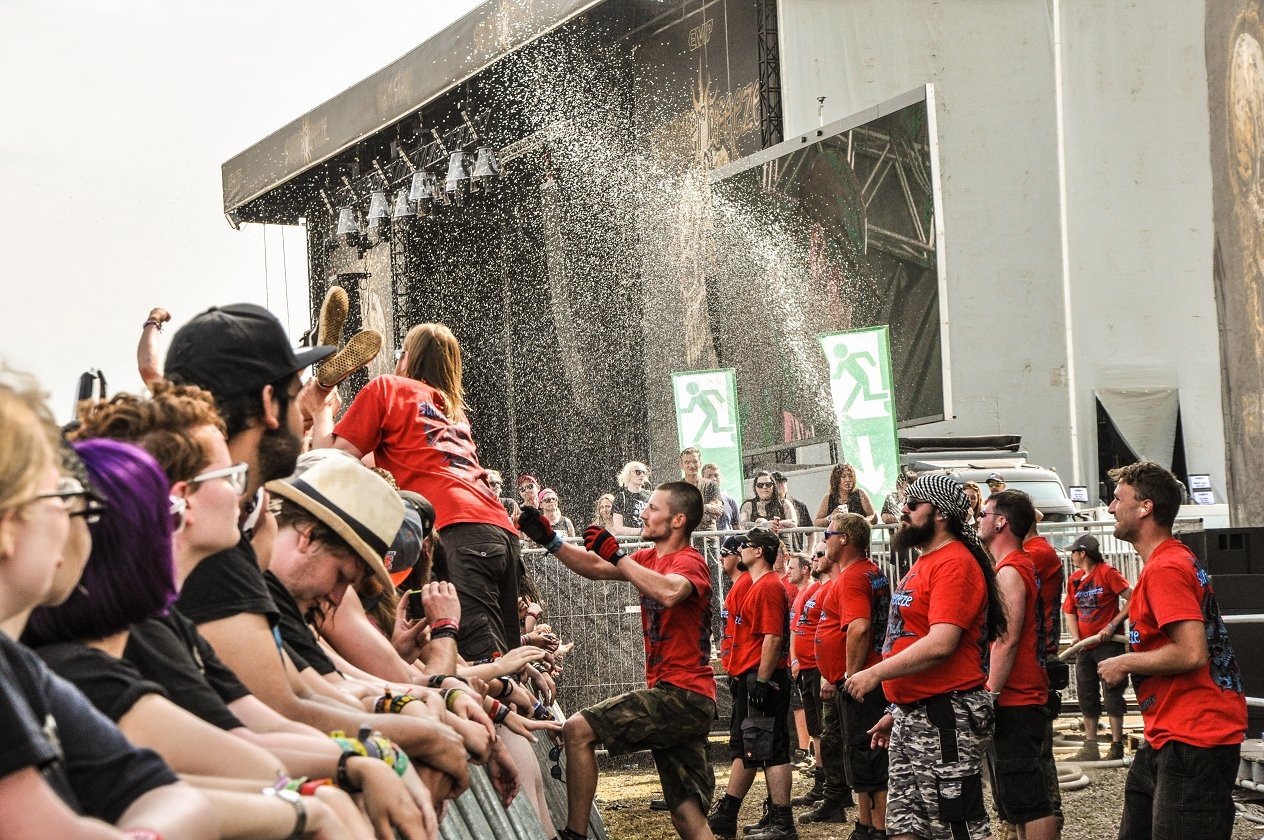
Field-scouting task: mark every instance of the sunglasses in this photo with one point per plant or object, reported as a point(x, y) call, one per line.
point(555, 756)
point(234, 475)
point(179, 513)
point(818, 554)
point(496, 483)
point(828, 533)
point(914, 504)
point(763, 484)
point(641, 472)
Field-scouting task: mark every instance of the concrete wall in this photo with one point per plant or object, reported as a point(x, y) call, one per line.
point(1137, 200)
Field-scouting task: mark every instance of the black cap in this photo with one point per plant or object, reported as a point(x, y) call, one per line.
point(762, 537)
point(1085, 542)
point(777, 476)
point(731, 545)
point(235, 349)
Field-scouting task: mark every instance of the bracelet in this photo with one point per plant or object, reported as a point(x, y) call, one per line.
point(309, 788)
point(450, 696)
point(443, 633)
point(533, 613)
point(342, 778)
point(507, 687)
point(152, 323)
point(445, 623)
point(300, 810)
point(499, 715)
point(554, 544)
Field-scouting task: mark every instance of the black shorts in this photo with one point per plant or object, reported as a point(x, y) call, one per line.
point(866, 765)
point(670, 722)
point(1088, 688)
point(1021, 793)
point(810, 688)
point(1179, 791)
point(483, 563)
point(744, 726)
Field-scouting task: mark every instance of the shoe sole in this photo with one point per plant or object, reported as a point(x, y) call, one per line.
point(333, 316)
point(360, 350)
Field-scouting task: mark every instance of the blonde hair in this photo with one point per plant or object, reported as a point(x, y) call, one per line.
point(626, 472)
point(434, 357)
point(27, 437)
point(853, 526)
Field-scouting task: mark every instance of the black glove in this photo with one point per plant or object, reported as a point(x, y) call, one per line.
point(602, 543)
point(762, 695)
point(537, 526)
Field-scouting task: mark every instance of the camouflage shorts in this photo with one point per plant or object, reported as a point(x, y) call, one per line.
point(670, 722)
point(927, 794)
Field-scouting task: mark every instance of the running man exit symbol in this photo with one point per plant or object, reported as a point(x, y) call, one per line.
point(856, 371)
point(702, 402)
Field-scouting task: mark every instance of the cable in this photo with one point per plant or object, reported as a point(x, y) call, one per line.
point(285, 280)
point(267, 292)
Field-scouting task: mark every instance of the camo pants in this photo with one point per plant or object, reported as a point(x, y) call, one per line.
point(936, 752)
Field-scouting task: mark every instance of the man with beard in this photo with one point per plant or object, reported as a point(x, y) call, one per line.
point(943, 613)
point(1052, 577)
point(672, 715)
point(1184, 673)
point(1016, 676)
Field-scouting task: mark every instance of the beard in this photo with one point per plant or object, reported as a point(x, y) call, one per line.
point(1124, 532)
point(278, 454)
point(909, 535)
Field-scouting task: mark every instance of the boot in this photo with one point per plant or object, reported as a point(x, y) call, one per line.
point(816, 794)
point(1088, 752)
point(780, 825)
point(723, 819)
point(864, 832)
point(756, 827)
point(827, 811)
point(1116, 751)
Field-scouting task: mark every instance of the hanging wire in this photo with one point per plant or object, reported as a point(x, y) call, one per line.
point(267, 292)
point(285, 280)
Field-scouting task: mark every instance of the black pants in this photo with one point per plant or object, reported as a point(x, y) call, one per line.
point(482, 563)
point(1179, 791)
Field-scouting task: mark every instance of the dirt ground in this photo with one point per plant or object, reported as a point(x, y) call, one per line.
point(627, 785)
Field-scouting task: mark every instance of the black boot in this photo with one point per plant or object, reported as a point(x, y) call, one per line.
point(756, 827)
point(827, 811)
point(780, 825)
point(816, 794)
point(865, 832)
point(723, 819)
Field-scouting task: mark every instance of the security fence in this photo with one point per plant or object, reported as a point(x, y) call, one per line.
point(603, 617)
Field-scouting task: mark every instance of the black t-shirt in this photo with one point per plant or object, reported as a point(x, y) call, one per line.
point(170, 651)
point(295, 632)
point(112, 685)
point(629, 505)
point(226, 584)
point(86, 760)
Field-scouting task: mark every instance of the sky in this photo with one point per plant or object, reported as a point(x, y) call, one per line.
point(117, 115)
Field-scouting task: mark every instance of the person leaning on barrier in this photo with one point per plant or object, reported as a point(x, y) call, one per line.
point(942, 613)
point(1183, 669)
point(1092, 600)
point(630, 499)
point(672, 715)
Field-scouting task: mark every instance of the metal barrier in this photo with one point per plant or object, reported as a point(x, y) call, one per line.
point(603, 617)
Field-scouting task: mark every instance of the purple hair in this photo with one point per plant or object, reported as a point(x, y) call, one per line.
point(130, 575)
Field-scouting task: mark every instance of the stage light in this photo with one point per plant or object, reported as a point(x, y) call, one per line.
point(456, 173)
point(379, 212)
point(403, 207)
point(423, 187)
point(348, 224)
point(486, 168)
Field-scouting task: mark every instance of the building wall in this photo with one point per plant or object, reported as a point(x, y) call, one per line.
point(1137, 203)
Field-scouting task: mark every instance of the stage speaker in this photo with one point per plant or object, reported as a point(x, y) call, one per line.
point(1233, 551)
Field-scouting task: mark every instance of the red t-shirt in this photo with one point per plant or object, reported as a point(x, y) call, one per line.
point(400, 420)
point(764, 611)
point(678, 639)
point(1051, 573)
point(945, 586)
point(1028, 684)
point(803, 617)
point(732, 600)
point(792, 591)
point(1093, 597)
point(1205, 707)
point(863, 591)
point(831, 644)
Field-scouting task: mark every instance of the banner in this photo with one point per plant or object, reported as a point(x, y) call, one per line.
point(864, 407)
point(706, 417)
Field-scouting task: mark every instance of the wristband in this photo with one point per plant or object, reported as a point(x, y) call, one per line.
point(300, 810)
point(436, 680)
point(443, 633)
point(310, 788)
point(533, 613)
point(444, 623)
point(343, 779)
point(554, 544)
point(450, 696)
point(142, 834)
point(506, 687)
point(152, 323)
point(500, 714)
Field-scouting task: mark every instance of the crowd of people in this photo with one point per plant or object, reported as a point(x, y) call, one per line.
point(229, 609)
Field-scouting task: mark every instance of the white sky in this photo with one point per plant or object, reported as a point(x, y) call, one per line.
point(115, 116)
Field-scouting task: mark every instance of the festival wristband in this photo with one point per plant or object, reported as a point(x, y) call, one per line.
point(450, 696)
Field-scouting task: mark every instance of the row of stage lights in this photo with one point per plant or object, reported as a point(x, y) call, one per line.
point(424, 196)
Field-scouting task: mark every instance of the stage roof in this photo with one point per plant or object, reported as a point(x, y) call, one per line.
point(459, 52)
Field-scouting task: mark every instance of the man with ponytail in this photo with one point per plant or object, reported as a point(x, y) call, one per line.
point(943, 613)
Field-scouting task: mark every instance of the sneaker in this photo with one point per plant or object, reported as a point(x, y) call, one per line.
point(333, 314)
point(1089, 752)
point(361, 349)
point(826, 812)
point(1116, 751)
